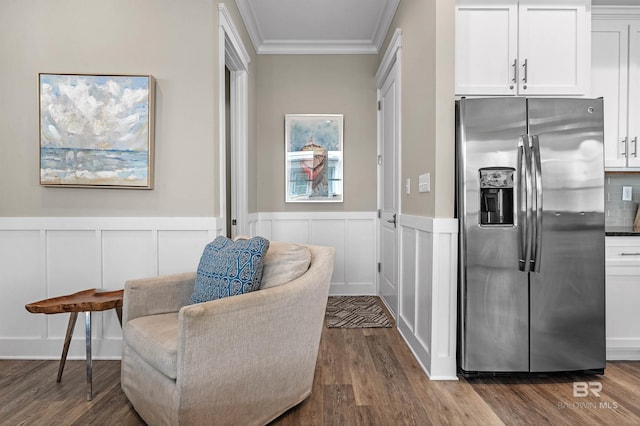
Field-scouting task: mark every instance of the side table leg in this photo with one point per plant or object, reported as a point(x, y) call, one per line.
point(88, 344)
point(119, 313)
point(67, 342)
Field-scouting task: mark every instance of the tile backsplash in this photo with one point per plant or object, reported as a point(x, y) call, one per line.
point(618, 212)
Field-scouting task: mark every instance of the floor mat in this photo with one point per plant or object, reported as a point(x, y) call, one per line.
point(356, 312)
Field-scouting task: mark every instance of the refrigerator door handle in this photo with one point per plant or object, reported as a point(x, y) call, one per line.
point(524, 204)
point(537, 204)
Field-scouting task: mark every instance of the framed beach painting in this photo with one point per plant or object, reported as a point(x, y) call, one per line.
point(314, 160)
point(96, 130)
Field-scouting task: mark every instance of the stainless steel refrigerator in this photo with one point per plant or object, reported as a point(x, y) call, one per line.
point(530, 203)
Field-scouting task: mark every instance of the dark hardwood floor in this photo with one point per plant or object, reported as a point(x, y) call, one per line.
point(363, 377)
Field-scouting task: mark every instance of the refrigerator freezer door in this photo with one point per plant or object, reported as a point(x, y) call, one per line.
point(567, 294)
point(493, 291)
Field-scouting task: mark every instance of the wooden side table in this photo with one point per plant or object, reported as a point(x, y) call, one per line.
point(86, 301)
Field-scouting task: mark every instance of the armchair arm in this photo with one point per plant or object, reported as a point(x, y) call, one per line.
point(156, 295)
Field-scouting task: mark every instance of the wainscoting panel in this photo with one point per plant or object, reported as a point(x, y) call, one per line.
point(127, 255)
point(361, 252)
point(353, 234)
point(428, 289)
point(177, 249)
point(21, 281)
point(293, 230)
point(72, 265)
point(324, 233)
point(408, 279)
point(49, 256)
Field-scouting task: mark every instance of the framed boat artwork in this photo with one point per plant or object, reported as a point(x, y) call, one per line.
point(96, 130)
point(314, 157)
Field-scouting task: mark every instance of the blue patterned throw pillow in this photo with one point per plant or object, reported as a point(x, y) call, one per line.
point(228, 268)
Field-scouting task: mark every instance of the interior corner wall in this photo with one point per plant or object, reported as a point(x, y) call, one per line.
point(427, 103)
point(176, 42)
point(317, 84)
point(445, 108)
point(427, 282)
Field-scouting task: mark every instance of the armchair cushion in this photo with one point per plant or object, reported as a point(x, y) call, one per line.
point(155, 339)
point(228, 268)
point(284, 263)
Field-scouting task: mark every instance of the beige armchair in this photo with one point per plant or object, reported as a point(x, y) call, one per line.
point(241, 360)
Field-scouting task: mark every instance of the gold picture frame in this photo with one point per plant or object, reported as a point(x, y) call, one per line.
point(96, 130)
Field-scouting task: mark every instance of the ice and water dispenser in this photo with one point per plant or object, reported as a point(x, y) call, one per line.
point(496, 196)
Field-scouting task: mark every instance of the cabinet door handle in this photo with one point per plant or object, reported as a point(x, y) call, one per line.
point(525, 73)
point(629, 254)
point(514, 80)
point(624, 147)
point(634, 141)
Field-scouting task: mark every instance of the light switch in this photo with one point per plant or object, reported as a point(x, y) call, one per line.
point(626, 193)
point(424, 182)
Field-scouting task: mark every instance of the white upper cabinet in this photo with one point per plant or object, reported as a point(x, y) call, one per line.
point(633, 115)
point(486, 47)
point(615, 76)
point(609, 80)
point(510, 47)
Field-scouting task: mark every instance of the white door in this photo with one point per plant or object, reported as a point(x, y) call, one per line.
point(486, 47)
point(553, 47)
point(609, 77)
point(389, 131)
point(633, 132)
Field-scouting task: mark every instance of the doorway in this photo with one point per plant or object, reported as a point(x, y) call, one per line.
point(388, 83)
point(234, 126)
point(231, 221)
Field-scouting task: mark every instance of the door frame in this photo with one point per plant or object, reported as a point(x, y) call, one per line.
point(233, 55)
point(392, 57)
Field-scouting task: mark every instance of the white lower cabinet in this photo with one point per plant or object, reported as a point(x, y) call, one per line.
point(623, 298)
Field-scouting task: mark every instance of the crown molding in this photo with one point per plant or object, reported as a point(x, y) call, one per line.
point(384, 23)
point(317, 47)
point(250, 23)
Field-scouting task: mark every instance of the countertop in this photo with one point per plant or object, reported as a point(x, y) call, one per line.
point(622, 231)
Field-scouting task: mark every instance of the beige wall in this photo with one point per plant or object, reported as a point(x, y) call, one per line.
point(427, 103)
point(305, 84)
point(177, 42)
point(252, 161)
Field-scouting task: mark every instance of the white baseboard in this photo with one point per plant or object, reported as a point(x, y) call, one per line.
point(352, 290)
point(623, 349)
point(107, 349)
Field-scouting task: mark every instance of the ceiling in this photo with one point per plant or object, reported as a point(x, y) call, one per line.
point(317, 26)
